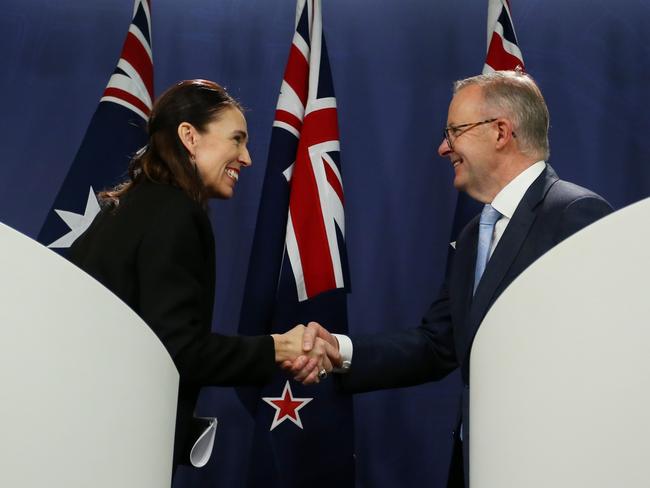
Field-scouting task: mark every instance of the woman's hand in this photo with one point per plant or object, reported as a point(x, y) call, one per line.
point(320, 356)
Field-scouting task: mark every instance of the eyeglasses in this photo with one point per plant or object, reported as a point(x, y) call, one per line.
point(454, 131)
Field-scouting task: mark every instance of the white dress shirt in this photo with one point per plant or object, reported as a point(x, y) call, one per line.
point(505, 203)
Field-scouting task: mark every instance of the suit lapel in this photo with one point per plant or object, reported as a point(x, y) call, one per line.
point(461, 281)
point(506, 251)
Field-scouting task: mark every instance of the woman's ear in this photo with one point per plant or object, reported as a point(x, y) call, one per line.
point(188, 136)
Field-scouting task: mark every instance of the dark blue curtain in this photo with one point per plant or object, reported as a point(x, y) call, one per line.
point(393, 62)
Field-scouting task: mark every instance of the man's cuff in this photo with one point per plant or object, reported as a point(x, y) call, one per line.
point(345, 348)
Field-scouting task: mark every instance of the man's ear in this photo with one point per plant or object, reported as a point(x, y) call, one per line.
point(188, 136)
point(505, 132)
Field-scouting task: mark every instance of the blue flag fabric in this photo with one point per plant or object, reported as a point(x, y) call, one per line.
point(116, 131)
point(298, 273)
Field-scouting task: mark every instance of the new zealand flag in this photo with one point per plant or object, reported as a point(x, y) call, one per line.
point(503, 52)
point(298, 272)
point(115, 133)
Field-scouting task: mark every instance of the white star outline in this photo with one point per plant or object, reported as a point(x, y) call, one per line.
point(78, 223)
point(276, 420)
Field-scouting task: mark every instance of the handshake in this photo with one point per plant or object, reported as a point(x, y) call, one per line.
point(307, 353)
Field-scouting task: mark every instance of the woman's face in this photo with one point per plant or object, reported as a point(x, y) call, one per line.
point(220, 152)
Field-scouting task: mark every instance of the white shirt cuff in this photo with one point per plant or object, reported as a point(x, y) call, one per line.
point(346, 349)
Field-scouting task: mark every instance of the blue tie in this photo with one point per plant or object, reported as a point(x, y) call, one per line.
point(489, 217)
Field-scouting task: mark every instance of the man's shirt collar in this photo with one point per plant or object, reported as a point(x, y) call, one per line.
point(508, 198)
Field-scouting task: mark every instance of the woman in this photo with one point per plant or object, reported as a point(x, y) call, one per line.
point(152, 245)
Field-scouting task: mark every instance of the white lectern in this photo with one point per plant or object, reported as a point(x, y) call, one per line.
point(88, 392)
point(560, 367)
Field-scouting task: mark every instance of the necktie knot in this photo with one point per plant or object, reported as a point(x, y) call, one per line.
point(489, 217)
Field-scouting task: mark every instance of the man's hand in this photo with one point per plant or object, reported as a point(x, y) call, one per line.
point(319, 354)
point(304, 368)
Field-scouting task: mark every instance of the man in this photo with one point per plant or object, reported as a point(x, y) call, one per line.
point(497, 141)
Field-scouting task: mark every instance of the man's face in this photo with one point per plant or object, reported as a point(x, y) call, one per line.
point(472, 151)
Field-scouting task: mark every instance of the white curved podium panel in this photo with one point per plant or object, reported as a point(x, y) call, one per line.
point(560, 368)
point(88, 392)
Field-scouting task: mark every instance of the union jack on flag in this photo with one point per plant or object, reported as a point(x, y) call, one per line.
point(307, 109)
point(115, 132)
point(131, 84)
point(503, 52)
point(298, 272)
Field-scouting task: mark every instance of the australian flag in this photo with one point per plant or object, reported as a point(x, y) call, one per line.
point(503, 53)
point(298, 272)
point(116, 132)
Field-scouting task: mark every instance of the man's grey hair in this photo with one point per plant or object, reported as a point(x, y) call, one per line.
point(515, 95)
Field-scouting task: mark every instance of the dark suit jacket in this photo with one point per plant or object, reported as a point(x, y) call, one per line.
point(550, 211)
point(156, 252)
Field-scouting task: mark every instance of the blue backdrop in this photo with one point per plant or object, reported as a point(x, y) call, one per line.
point(393, 62)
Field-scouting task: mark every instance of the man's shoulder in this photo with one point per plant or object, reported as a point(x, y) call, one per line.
point(564, 196)
point(568, 208)
point(563, 191)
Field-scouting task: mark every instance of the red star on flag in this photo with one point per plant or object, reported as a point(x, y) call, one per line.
point(286, 407)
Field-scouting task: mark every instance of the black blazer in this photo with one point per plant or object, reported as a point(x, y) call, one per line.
point(156, 252)
point(550, 211)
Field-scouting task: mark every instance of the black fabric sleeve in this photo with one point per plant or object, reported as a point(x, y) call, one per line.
point(405, 358)
point(174, 284)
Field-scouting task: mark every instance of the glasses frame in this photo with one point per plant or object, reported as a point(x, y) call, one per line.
point(467, 127)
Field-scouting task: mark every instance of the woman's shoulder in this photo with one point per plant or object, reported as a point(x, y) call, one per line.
point(151, 198)
point(165, 212)
point(151, 208)
point(151, 190)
